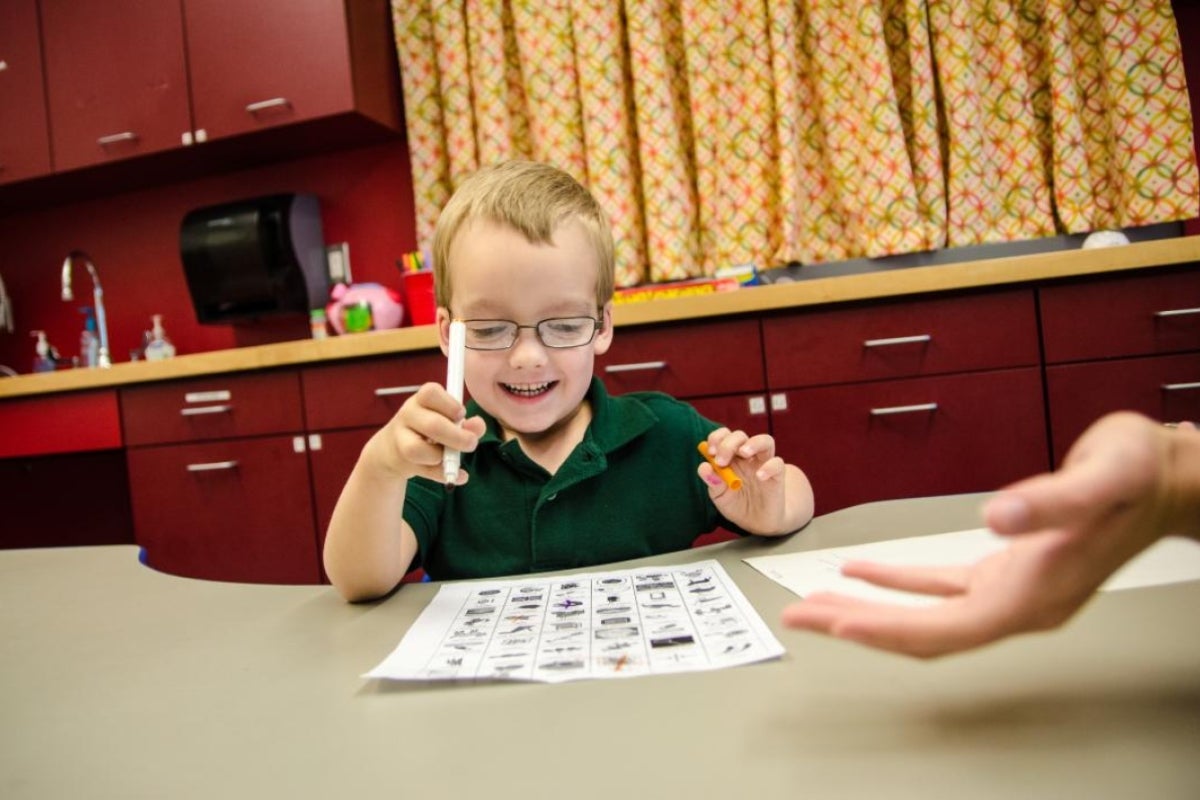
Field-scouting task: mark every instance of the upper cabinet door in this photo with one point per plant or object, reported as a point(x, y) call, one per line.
point(116, 79)
point(268, 63)
point(24, 139)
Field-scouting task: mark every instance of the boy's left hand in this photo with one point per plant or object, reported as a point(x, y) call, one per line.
point(760, 505)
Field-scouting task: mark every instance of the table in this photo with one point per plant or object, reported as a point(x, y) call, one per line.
point(117, 681)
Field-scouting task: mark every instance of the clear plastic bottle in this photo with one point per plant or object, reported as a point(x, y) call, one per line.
point(158, 346)
point(89, 340)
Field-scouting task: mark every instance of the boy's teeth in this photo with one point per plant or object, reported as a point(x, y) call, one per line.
point(528, 390)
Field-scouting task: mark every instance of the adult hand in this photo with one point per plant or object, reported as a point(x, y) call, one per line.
point(1127, 482)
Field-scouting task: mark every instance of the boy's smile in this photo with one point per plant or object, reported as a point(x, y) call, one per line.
point(535, 392)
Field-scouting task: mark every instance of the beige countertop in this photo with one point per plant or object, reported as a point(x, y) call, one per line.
point(811, 292)
point(122, 682)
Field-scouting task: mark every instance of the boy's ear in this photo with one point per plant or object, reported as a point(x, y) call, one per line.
point(442, 320)
point(605, 335)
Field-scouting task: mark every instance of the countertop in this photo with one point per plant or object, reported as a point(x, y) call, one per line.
point(867, 285)
point(124, 682)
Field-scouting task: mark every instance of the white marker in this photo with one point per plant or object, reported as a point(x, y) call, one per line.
point(454, 385)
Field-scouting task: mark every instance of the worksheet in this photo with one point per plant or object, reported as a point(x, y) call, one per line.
point(622, 624)
point(1169, 560)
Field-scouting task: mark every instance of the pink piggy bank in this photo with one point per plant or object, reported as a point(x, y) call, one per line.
point(364, 307)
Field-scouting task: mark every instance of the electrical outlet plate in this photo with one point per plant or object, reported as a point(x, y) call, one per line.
point(337, 259)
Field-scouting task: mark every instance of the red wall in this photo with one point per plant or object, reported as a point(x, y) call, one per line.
point(133, 239)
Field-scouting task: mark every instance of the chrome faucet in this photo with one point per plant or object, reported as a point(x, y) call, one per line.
point(103, 359)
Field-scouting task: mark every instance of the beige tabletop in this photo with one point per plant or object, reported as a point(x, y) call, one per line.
point(116, 681)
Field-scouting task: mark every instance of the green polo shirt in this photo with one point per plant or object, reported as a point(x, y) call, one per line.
point(628, 490)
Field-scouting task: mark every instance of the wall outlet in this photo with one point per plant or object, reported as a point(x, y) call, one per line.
point(337, 257)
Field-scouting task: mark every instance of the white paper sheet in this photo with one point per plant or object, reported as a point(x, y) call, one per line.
point(1170, 560)
point(621, 624)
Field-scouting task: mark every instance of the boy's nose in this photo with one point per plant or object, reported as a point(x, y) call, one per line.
point(527, 350)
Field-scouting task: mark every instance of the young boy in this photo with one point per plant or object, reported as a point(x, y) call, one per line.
point(555, 473)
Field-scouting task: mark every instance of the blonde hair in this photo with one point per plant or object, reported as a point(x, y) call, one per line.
point(532, 199)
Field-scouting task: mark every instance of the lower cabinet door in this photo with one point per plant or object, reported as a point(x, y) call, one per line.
point(333, 455)
point(1166, 388)
point(910, 438)
point(236, 510)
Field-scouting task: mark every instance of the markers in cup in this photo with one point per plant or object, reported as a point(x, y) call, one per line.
point(454, 385)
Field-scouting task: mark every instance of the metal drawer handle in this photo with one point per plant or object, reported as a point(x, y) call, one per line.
point(212, 466)
point(114, 138)
point(192, 412)
point(882, 412)
point(263, 105)
point(924, 337)
point(1177, 312)
point(638, 367)
point(389, 391)
point(1180, 387)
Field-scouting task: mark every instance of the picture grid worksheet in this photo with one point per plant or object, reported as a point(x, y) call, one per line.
point(650, 620)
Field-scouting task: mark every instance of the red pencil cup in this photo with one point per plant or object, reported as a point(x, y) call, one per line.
point(418, 296)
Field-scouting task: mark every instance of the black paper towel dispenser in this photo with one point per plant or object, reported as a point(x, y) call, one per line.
point(254, 258)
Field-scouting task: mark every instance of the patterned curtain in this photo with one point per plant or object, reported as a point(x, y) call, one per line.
point(722, 132)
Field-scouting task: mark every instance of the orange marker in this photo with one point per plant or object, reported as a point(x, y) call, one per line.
point(728, 475)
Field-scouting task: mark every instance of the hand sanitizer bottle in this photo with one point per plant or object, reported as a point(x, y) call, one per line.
point(43, 360)
point(159, 346)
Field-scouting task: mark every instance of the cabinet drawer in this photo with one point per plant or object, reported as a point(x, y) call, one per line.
point(1161, 387)
point(60, 423)
point(908, 438)
point(366, 392)
point(691, 360)
point(1126, 316)
point(896, 340)
point(225, 511)
point(212, 408)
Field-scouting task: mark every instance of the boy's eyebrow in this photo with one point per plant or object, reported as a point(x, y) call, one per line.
point(486, 310)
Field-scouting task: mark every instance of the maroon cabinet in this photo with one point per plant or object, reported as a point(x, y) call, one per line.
point(24, 136)
point(1121, 343)
point(65, 500)
point(366, 393)
point(344, 405)
point(1121, 316)
point(220, 407)
point(902, 339)
point(127, 78)
point(232, 510)
point(908, 398)
point(258, 65)
point(332, 456)
point(116, 79)
point(694, 359)
point(219, 478)
point(909, 438)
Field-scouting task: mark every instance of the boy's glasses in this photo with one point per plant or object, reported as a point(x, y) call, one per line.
point(559, 332)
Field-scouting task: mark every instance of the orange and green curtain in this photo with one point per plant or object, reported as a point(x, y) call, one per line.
point(723, 132)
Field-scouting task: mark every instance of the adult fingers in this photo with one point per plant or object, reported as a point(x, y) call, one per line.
point(941, 581)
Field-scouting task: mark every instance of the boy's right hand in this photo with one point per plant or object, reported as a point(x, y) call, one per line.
point(414, 439)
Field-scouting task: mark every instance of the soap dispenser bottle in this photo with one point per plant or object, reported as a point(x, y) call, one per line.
point(44, 353)
point(89, 341)
point(158, 345)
